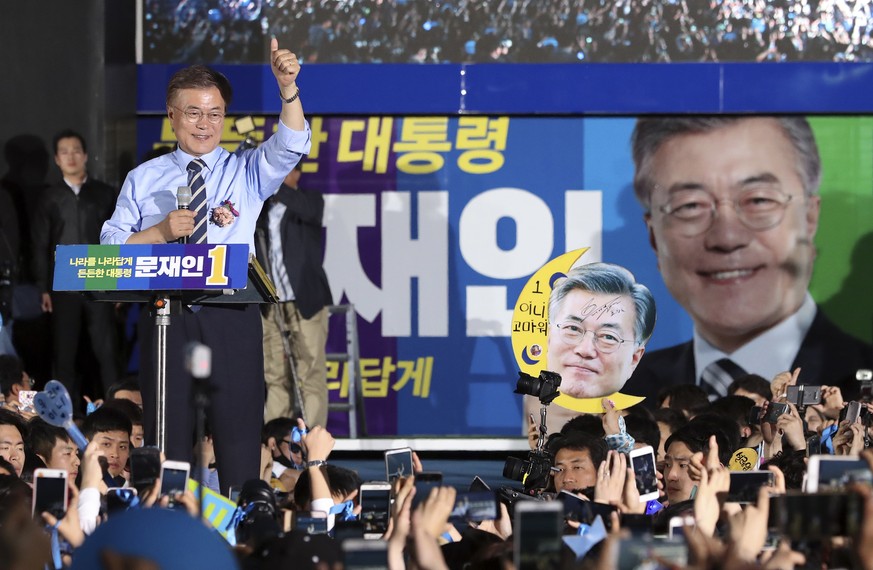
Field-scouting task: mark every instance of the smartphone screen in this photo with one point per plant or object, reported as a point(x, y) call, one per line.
point(424, 482)
point(836, 473)
point(398, 463)
point(375, 509)
point(575, 509)
point(816, 516)
point(475, 507)
point(537, 532)
point(49, 494)
point(744, 485)
point(173, 481)
point(644, 471)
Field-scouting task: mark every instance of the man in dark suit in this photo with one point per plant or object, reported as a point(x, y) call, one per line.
point(72, 212)
point(732, 208)
point(290, 245)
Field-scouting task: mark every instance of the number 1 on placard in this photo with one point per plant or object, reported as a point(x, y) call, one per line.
point(218, 276)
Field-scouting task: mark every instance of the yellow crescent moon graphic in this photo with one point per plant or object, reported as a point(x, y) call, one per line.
point(530, 325)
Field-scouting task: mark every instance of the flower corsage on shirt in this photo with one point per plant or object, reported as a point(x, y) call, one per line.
point(224, 214)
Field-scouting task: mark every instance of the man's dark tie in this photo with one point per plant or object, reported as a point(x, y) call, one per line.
point(198, 200)
point(718, 376)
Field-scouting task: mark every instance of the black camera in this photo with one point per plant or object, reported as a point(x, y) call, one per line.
point(258, 520)
point(545, 387)
point(533, 472)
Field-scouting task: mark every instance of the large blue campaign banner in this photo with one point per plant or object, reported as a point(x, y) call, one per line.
point(433, 225)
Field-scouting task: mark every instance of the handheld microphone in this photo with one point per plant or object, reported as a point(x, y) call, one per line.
point(183, 201)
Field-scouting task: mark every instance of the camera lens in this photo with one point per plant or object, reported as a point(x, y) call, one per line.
point(514, 468)
point(527, 385)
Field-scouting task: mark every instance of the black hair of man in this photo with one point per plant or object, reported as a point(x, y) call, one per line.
point(584, 423)
point(580, 441)
point(753, 384)
point(128, 408)
point(340, 481)
point(673, 418)
point(736, 408)
point(129, 384)
point(43, 437)
point(643, 430)
point(695, 436)
point(792, 462)
point(11, 371)
point(106, 419)
point(68, 134)
point(278, 428)
point(684, 398)
point(727, 436)
point(10, 418)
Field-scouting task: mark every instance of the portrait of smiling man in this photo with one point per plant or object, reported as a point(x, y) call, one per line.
point(732, 207)
point(600, 319)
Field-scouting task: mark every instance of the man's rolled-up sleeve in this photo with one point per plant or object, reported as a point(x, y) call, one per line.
point(278, 155)
point(125, 220)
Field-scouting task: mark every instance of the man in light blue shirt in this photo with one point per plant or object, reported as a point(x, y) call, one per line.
point(228, 193)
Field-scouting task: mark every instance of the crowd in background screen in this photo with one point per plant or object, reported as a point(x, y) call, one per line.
point(557, 31)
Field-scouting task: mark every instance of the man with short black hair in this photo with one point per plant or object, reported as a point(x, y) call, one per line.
point(577, 456)
point(13, 379)
point(228, 191)
point(111, 429)
point(12, 431)
point(53, 445)
point(72, 212)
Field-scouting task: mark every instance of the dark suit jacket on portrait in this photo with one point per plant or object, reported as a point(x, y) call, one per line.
point(301, 247)
point(827, 356)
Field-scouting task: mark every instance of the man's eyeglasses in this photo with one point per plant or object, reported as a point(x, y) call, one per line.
point(294, 447)
point(604, 341)
point(194, 115)
point(759, 208)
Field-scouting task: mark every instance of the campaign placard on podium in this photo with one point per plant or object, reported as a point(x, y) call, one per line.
point(150, 267)
point(199, 272)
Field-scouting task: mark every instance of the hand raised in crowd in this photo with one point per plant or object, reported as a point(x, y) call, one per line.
point(714, 479)
point(748, 528)
point(92, 472)
point(611, 476)
point(610, 417)
point(318, 442)
point(790, 425)
point(781, 382)
point(831, 402)
point(500, 527)
point(849, 439)
point(399, 523)
point(429, 522)
point(401, 508)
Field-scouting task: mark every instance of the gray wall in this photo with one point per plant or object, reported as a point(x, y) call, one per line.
point(71, 64)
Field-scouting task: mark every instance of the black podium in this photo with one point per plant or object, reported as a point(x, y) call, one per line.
point(162, 276)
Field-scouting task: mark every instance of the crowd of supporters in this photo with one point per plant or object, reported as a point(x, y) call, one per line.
point(456, 31)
